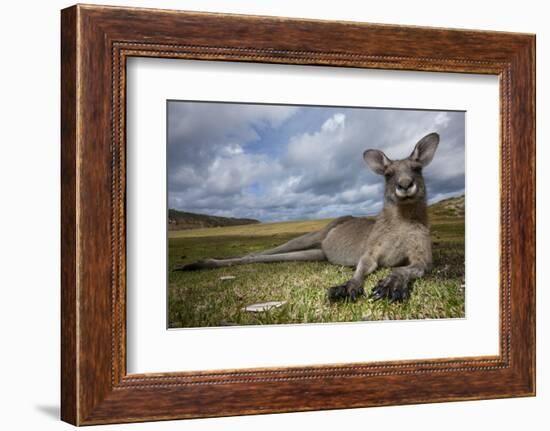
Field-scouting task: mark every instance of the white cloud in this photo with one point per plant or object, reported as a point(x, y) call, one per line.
point(337, 121)
point(316, 148)
point(442, 119)
point(232, 150)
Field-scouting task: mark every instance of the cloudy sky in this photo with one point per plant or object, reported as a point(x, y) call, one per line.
point(276, 162)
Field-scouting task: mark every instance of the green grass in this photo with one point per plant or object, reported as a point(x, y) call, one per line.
point(200, 299)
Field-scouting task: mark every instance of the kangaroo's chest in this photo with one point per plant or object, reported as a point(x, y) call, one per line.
point(392, 244)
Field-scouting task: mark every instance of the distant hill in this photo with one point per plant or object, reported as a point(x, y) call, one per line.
point(451, 207)
point(180, 220)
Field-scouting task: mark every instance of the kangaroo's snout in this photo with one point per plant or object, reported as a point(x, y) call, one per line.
point(405, 183)
point(406, 188)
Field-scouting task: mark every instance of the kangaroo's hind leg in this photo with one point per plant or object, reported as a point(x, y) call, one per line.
point(295, 256)
point(303, 242)
point(306, 241)
point(306, 247)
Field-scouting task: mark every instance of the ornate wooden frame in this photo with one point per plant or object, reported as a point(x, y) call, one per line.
point(95, 43)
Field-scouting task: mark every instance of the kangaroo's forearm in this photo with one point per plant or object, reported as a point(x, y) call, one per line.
point(365, 266)
point(412, 272)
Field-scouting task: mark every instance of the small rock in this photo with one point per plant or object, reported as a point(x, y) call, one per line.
point(263, 306)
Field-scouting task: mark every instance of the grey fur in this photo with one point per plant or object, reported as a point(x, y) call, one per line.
point(397, 237)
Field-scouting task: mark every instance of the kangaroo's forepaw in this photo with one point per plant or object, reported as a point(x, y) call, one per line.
point(351, 290)
point(393, 287)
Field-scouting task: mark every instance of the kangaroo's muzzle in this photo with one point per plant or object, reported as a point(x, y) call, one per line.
point(406, 192)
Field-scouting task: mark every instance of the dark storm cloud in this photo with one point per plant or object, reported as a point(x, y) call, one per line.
point(237, 160)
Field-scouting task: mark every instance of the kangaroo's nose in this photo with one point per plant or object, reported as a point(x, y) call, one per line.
point(405, 183)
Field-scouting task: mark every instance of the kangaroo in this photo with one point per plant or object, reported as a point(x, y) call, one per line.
point(397, 237)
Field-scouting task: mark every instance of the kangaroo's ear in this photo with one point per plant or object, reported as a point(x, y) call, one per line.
point(425, 149)
point(377, 161)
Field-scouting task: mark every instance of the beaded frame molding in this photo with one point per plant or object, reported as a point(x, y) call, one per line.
point(95, 43)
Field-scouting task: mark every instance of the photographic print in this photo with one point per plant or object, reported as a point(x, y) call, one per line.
point(289, 214)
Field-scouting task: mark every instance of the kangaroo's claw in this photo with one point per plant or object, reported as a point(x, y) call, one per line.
point(393, 287)
point(336, 293)
point(347, 290)
point(356, 292)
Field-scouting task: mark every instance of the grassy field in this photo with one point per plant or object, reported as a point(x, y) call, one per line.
point(201, 298)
